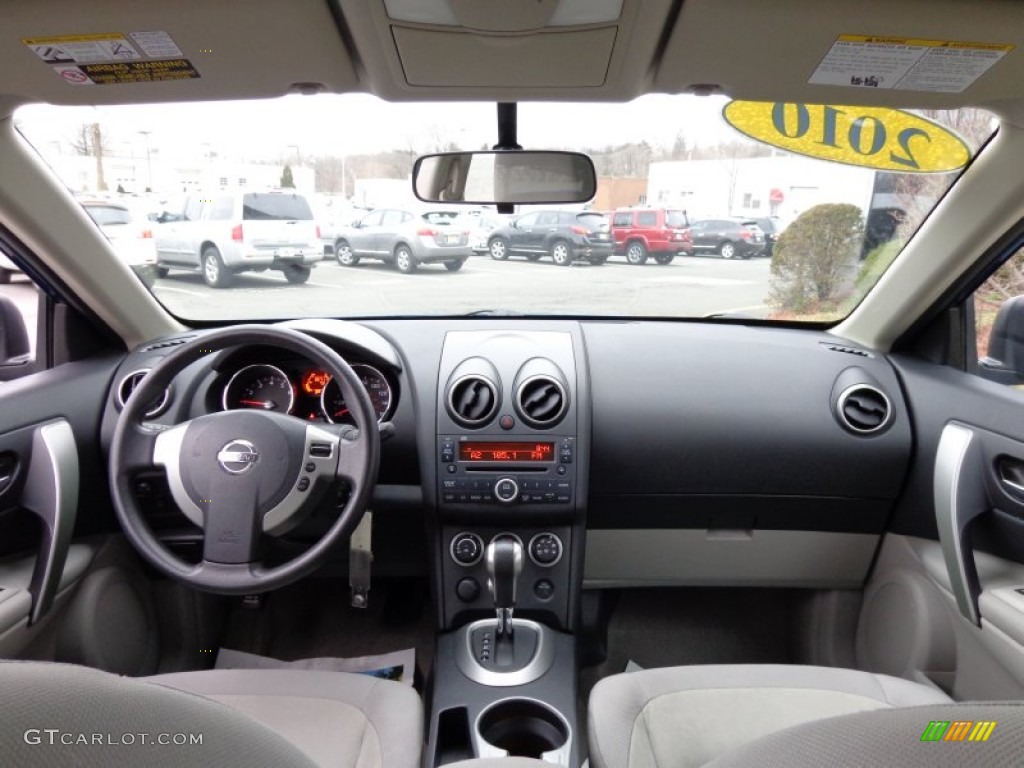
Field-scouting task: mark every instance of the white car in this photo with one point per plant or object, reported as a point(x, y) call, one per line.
point(223, 234)
point(7, 269)
point(130, 233)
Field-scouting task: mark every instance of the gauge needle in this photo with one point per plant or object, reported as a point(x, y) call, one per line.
point(267, 405)
point(342, 412)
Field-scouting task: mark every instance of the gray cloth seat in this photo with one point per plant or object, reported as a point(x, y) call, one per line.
point(61, 714)
point(687, 716)
point(882, 739)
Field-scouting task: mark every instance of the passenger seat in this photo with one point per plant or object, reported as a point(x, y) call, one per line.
point(680, 717)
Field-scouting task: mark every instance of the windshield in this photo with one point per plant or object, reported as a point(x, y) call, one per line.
point(106, 215)
point(675, 219)
point(275, 207)
point(303, 206)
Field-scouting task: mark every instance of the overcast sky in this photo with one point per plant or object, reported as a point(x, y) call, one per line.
point(359, 123)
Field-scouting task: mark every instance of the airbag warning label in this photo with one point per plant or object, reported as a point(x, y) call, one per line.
point(128, 72)
point(906, 64)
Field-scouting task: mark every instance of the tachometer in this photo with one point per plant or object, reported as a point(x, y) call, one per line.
point(376, 386)
point(264, 387)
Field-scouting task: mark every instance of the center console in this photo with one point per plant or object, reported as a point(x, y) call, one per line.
point(511, 458)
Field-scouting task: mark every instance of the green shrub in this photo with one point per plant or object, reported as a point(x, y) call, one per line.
point(812, 259)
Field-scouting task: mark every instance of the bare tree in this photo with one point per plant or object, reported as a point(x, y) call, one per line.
point(330, 174)
point(97, 151)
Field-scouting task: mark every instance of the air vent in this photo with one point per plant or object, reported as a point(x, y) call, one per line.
point(864, 409)
point(847, 350)
point(168, 343)
point(128, 385)
point(472, 400)
point(541, 401)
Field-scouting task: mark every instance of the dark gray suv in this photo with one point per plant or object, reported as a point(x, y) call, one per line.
point(566, 236)
point(729, 238)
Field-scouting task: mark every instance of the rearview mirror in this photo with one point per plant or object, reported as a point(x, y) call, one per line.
point(509, 177)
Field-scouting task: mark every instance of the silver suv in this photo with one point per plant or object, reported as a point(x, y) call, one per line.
point(226, 233)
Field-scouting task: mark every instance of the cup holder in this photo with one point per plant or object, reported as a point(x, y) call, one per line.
point(523, 728)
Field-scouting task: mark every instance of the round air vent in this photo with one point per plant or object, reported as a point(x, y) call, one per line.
point(541, 401)
point(472, 400)
point(864, 409)
point(128, 385)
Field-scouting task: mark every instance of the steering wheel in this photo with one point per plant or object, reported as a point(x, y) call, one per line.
point(240, 474)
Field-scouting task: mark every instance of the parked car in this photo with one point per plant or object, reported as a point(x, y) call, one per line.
point(729, 238)
point(771, 228)
point(331, 219)
point(403, 239)
point(223, 234)
point(130, 233)
point(7, 269)
point(480, 228)
point(659, 232)
point(566, 236)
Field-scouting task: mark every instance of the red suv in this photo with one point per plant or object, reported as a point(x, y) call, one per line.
point(657, 232)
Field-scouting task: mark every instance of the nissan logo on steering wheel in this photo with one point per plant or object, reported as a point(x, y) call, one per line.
point(238, 457)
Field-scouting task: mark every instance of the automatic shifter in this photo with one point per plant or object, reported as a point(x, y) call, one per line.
point(504, 558)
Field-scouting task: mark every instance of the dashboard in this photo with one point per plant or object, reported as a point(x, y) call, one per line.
point(705, 455)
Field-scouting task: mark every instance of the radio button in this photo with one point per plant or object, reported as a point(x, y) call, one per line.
point(506, 490)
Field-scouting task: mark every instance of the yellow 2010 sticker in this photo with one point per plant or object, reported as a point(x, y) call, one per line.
point(871, 137)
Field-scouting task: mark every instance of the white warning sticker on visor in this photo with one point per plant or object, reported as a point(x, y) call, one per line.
point(906, 64)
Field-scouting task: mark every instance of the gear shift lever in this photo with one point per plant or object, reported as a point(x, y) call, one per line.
point(504, 558)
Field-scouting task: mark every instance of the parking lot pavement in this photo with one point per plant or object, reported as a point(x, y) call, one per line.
point(692, 286)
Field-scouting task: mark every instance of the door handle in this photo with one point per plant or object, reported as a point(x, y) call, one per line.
point(1011, 474)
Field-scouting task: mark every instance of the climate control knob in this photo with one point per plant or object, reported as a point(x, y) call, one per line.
point(506, 490)
point(467, 548)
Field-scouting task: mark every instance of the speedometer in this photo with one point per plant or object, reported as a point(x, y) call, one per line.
point(263, 387)
point(376, 385)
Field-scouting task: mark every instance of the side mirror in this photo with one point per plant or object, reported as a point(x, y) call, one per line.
point(14, 346)
point(1004, 362)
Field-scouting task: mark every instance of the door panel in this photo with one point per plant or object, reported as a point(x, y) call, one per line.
point(956, 559)
point(52, 489)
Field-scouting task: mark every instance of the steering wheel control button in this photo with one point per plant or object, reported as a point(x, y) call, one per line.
point(545, 549)
point(506, 422)
point(544, 589)
point(506, 490)
point(467, 549)
point(310, 466)
point(467, 590)
point(321, 450)
point(303, 484)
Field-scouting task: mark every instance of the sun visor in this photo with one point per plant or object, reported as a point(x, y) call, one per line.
point(106, 52)
point(860, 53)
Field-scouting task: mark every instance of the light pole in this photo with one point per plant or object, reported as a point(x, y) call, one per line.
point(149, 163)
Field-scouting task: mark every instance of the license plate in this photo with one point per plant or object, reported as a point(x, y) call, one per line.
point(452, 239)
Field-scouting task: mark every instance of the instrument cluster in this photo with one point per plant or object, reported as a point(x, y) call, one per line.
point(300, 389)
